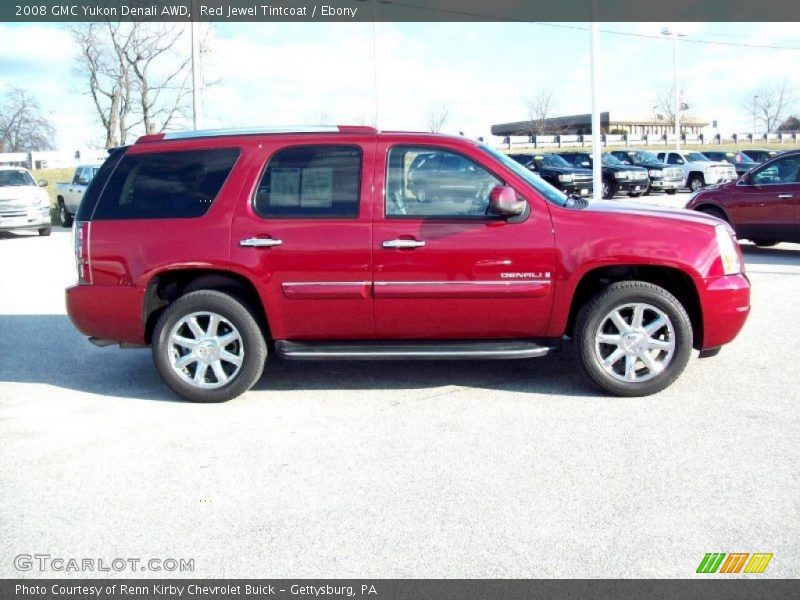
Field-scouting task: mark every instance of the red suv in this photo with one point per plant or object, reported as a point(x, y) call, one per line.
point(315, 243)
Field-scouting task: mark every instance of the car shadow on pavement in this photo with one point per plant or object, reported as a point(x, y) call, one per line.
point(46, 349)
point(782, 255)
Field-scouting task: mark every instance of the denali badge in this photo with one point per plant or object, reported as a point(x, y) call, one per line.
point(536, 275)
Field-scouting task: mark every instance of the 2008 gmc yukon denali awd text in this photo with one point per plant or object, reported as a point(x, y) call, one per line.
point(349, 243)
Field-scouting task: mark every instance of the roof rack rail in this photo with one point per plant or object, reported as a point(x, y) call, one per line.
point(200, 133)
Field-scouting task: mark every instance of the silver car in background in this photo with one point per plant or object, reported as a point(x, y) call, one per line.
point(23, 202)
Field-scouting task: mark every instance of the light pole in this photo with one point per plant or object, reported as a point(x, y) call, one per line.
point(754, 117)
point(675, 35)
point(197, 109)
point(597, 167)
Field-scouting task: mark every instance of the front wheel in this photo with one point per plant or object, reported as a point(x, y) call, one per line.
point(45, 231)
point(634, 338)
point(64, 216)
point(696, 182)
point(208, 347)
point(608, 190)
point(670, 192)
point(765, 243)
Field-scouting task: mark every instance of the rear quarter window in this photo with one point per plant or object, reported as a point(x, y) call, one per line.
point(165, 185)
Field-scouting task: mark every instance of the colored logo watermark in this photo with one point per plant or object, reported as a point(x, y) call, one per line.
point(734, 562)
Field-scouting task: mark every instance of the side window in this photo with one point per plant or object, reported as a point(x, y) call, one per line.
point(660, 156)
point(80, 178)
point(165, 185)
point(310, 181)
point(459, 189)
point(785, 170)
point(674, 159)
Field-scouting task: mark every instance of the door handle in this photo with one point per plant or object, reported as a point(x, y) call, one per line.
point(785, 196)
point(403, 244)
point(260, 242)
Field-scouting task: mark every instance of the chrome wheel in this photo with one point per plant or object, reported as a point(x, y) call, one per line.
point(205, 350)
point(635, 342)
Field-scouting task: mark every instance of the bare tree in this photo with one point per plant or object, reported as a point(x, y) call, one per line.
point(23, 127)
point(539, 108)
point(769, 103)
point(137, 80)
point(665, 107)
point(437, 118)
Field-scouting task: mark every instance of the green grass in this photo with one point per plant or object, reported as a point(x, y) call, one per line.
point(53, 176)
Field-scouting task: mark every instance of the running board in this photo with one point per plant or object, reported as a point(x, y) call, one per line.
point(414, 350)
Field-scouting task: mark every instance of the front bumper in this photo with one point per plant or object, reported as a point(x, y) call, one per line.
point(711, 178)
point(666, 184)
point(32, 219)
point(726, 304)
point(109, 312)
point(579, 188)
point(631, 187)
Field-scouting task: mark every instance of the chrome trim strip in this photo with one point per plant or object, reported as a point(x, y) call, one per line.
point(315, 283)
point(479, 282)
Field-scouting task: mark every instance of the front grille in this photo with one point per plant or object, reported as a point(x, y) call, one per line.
point(581, 178)
point(639, 175)
point(673, 173)
point(12, 213)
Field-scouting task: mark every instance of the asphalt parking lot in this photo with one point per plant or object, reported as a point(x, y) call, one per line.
point(496, 469)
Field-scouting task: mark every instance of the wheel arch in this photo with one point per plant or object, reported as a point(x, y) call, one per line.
point(715, 206)
point(677, 282)
point(165, 287)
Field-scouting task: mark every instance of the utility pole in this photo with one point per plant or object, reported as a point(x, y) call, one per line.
point(754, 117)
point(597, 134)
point(675, 35)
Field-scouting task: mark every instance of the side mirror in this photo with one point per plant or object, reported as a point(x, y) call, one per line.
point(42, 183)
point(503, 202)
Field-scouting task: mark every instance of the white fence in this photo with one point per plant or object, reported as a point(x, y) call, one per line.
point(53, 159)
point(562, 141)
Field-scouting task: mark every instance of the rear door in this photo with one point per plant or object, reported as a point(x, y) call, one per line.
point(446, 270)
point(302, 233)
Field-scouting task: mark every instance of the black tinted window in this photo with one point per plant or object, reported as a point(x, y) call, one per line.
point(311, 181)
point(165, 185)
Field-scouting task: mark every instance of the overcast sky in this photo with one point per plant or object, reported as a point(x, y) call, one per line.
point(300, 73)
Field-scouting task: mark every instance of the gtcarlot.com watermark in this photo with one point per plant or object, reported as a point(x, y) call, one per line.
point(62, 564)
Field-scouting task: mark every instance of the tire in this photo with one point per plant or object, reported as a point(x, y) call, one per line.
point(250, 347)
point(634, 195)
point(696, 182)
point(674, 338)
point(764, 243)
point(45, 231)
point(670, 192)
point(422, 196)
point(64, 216)
point(713, 211)
point(608, 190)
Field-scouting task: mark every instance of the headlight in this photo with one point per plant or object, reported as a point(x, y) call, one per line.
point(621, 174)
point(565, 178)
point(654, 173)
point(728, 251)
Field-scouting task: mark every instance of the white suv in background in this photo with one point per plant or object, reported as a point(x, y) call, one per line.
point(698, 169)
point(23, 202)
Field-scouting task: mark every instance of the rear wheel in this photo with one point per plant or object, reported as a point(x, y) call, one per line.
point(208, 347)
point(634, 338)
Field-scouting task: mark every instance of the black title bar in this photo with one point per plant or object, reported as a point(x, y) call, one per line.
point(399, 10)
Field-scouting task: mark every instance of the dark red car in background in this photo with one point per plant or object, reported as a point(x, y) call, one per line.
point(763, 205)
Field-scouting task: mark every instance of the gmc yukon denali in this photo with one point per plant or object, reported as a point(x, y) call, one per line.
point(216, 248)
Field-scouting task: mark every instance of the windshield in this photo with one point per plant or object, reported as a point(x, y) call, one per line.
point(611, 161)
point(550, 160)
point(697, 157)
point(540, 185)
point(648, 157)
point(15, 178)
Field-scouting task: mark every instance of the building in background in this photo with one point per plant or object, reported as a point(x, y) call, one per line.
point(609, 123)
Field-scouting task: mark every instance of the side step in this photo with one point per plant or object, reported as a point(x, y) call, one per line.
point(412, 350)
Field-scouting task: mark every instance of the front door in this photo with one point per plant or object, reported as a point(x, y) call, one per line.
point(443, 268)
point(304, 236)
